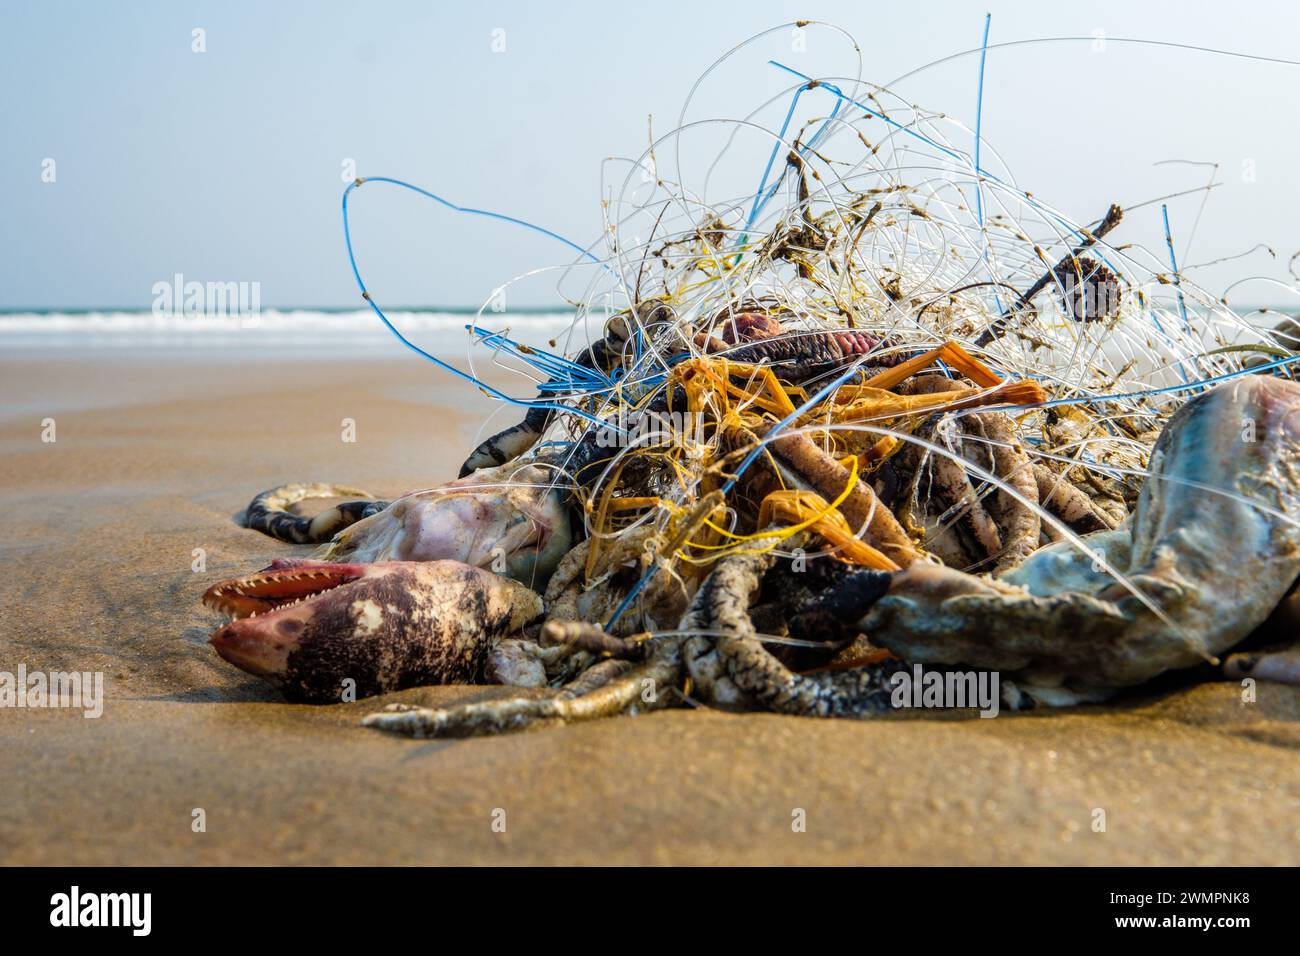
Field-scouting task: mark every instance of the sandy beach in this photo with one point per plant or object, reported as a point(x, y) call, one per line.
point(156, 457)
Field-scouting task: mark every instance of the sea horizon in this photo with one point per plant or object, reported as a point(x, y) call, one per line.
point(442, 329)
point(311, 328)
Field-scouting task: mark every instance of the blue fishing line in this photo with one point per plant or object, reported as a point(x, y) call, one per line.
point(836, 91)
point(1173, 263)
point(952, 154)
point(479, 212)
point(552, 369)
point(365, 294)
point(1166, 390)
point(555, 365)
point(979, 121)
point(979, 171)
point(1155, 317)
point(767, 170)
point(761, 200)
point(1178, 286)
point(631, 595)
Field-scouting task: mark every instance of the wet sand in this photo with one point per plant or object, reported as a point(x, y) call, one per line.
point(154, 459)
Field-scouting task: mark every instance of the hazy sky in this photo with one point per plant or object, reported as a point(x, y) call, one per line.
point(226, 165)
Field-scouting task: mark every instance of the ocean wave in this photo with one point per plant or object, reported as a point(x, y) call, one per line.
point(270, 328)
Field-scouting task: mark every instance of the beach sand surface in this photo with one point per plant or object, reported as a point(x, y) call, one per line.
point(155, 458)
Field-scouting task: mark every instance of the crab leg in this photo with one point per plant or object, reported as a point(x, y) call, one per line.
point(863, 403)
point(509, 443)
point(811, 509)
point(799, 356)
point(1022, 523)
point(644, 688)
point(951, 354)
point(735, 669)
point(269, 514)
point(1278, 666)
point(861, 507)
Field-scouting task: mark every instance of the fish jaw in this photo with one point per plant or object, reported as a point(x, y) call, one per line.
point(367, 628)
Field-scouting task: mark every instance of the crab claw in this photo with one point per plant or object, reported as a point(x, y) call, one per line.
point(283, 582)
point(318, 630)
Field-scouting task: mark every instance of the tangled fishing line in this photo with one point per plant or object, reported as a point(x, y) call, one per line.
point(883, 284)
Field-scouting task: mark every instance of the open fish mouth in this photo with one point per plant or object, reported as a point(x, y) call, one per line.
point(283, 584)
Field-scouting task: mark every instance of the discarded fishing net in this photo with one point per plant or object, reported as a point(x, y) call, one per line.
point(884, 292)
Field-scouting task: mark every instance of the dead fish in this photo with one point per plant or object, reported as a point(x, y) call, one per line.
point(323, 632)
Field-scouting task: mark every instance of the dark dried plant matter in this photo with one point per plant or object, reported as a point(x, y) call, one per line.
point(883, 409)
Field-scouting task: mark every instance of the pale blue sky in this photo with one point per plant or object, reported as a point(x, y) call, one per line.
point(226, 165)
